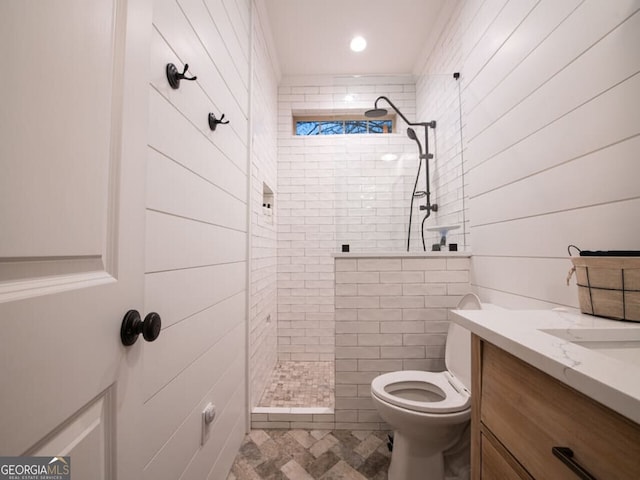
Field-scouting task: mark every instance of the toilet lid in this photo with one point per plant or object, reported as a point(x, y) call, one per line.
point(428, 392)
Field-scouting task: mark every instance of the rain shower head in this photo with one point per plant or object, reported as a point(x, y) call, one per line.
point(381, 112)
point(376, 112)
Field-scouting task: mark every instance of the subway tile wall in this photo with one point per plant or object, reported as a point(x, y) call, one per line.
point(332, 190)
point(263, 313)
point(391, 314)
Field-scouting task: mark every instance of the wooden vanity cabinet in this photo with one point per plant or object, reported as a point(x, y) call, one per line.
point(520, 413)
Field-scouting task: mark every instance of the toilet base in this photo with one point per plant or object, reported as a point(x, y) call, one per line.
point(409, 463)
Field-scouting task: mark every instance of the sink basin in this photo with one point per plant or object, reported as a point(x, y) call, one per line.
point(619, 343)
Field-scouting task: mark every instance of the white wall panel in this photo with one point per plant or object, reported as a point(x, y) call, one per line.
point(551, 135)
point(177, 191)
point(603, 65)
point(237, 46)
point(497, 33)
point(196, 239)
point(200, 18)
point(210, 91)
point(193, 290)
point(541, 279)
point(226, 434)
point(586, 181)
point(574, 36)
point(174, 136)
point(167, 410)
point(183, 447)
point(602, 122)
point(240, 14)
point(545, 17)
point(174, 242)
point(601, 227)
point(511, 301)
point(184, 341)
point(477, 17)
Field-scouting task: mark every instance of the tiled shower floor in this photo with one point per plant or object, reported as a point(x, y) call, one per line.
point(300, 384)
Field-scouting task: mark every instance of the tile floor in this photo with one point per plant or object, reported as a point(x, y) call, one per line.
point(312, 455)
point(300, 384)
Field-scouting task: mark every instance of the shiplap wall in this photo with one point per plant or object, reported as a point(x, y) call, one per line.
point(263, 315)
point(550, 91)
point(196, 238)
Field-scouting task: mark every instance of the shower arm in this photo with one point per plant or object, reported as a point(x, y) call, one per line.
point(431, 124)
point(425, 156)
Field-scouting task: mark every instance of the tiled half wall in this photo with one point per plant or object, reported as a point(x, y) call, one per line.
point(392, 313)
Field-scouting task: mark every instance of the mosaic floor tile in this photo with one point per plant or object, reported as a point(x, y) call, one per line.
point(312, 455)
point(300, 384)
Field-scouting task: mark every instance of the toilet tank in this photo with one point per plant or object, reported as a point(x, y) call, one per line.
point(457, 354)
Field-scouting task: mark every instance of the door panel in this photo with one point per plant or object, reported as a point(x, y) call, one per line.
point(56, 126)
point(85, 438)
point(60, 105)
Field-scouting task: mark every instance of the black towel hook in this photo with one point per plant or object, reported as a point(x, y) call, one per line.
point(214, 122)
point(174, 76)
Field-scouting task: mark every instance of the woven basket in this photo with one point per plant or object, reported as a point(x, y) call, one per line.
point(609, 286)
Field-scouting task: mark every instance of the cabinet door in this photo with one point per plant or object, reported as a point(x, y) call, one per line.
point(530, 412)
point(496, 464)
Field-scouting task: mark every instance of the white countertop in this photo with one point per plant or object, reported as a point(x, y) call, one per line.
point(611, 379)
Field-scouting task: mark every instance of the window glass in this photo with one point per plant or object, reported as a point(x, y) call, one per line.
point(380, 126)
point(307, 128)
point(334, 127)
point(341, 125)
point(355, 126)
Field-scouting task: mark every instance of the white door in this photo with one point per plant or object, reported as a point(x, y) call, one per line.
point(73, 119)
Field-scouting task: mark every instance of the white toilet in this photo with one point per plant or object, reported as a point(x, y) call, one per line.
point(428, 411)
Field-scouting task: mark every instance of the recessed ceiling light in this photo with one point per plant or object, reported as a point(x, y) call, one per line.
point(358, 44)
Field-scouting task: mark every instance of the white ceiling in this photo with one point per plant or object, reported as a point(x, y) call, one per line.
point(312, 36)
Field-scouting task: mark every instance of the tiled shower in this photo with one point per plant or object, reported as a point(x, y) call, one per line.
point(336, 190)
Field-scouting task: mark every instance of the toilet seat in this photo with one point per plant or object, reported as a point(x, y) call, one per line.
point(447, 394)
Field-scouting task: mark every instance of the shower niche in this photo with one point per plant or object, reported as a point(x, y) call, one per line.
point(267, 204)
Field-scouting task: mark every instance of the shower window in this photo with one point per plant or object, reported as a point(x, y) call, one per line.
point(379, 126)
point(341, 125)
point(356, 126)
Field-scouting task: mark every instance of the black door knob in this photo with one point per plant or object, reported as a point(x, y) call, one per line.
point(132, 326)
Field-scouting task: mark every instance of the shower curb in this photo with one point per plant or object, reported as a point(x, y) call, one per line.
point(316, 418)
